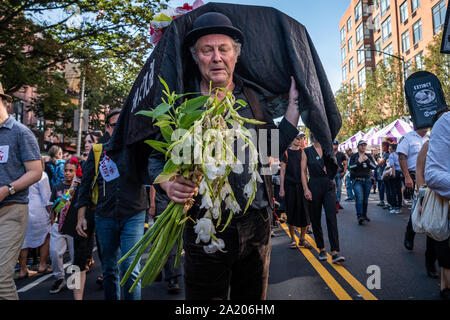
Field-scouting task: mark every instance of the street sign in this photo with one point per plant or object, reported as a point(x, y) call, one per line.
point(445, 46)
point(425, 98)
point(84, 120)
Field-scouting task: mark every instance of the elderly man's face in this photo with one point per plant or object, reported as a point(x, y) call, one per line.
point(216, 59)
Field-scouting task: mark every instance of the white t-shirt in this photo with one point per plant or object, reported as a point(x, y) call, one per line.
point(410, 146)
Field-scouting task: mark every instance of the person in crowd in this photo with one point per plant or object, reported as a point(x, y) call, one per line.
point(361, 164)
point(408, 149)
point(292, 190)
point(60, 242)
point(342, 170)
point(55, 166)
point(119, 217)
point(91, 139)
point(20, 167)
point(395, 181)
point(38, 228)
point(437, 178)
point(320, 190)
point(213, 48)
point(348, 181)
point(383, 188)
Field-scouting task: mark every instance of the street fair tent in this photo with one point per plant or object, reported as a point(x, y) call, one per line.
point(275, 47)
point(351, 142)
point(370, 133)
point(395, 130)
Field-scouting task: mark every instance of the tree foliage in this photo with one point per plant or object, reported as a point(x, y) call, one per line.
point(108, 41)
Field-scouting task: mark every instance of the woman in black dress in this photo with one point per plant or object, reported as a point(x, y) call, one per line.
point(291, 189)
point(320, 191)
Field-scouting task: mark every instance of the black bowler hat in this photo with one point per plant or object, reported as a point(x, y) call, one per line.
point(212, 23)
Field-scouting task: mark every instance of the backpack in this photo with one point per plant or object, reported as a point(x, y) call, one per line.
point(57, 170)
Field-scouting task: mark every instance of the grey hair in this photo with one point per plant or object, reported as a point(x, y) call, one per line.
point(237, 46)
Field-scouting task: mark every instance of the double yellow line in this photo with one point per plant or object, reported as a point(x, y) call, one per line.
point(337, 289)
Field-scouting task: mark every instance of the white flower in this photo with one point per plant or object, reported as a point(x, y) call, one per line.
point(237, 168)
point(248, 189)
point(204, 228)
point(225, 190)
point(206, 201)
point(235, 207)
point(216, 208)
point(216, 245)
point(203, 187)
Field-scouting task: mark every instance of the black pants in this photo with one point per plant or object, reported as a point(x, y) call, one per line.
point(324, 195)
point(243, 267)
point(410, 234)
point(396, 189)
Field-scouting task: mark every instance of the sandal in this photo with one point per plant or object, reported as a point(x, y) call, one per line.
point(304, 243)
point(47, 270)
point(293, 245)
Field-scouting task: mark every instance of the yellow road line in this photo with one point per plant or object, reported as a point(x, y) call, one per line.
point(337, 289)
point(361, 289)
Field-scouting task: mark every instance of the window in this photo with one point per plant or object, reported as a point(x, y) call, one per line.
point(404, 11)
point(378, 44)
point(368, 52)
point(376, 22)
point(351, 65)
point(386, 29)
point(418, 60)
point(40, 124)
point(342, 34)
point(349, 24)
point(352, 82)
point(417, 31)
point(386, 57)
point(405, 41)
point(414, 5)
point(350, 44)
point(360, 58)
point(362, 77)
point(18, 111)
point(438, 16)
point(384, 6)
point(343, 53)
point(407, 68)
point(359, 32)
point(366, 31)
point(358, 11)
point(344, 73)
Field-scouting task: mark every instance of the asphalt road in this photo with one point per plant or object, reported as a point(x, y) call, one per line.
point(377, 266)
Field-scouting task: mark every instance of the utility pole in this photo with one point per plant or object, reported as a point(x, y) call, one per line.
point(80, 120)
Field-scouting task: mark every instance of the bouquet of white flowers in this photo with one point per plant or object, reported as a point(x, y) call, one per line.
point(199, 137)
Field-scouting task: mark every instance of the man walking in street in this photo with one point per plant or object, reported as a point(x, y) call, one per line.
point(20, 167)
point(215, 45)
point(342, 170)
point(119, 214)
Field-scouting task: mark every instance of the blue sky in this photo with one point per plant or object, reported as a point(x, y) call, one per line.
point(321, 19)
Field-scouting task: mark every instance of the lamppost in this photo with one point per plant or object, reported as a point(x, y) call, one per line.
point(402, 59)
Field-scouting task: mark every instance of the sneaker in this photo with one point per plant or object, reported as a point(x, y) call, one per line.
point(309, 230)
point(58, 286)
point(337, 258)
point(360, 220)
point(381, 204)
point(366, 218)
point(393, 211)
point(322, 255)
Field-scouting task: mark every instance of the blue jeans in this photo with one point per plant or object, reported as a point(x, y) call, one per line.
point(349, 186)
point(362, 191)
point(338, 187)
point(116, 237)
point(381, 189)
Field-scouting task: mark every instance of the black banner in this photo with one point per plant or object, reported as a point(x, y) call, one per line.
point(425, 98)
point(276, 47)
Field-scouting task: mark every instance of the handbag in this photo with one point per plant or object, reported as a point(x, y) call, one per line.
point(416, 216)
point(435, 216)
point(387, 173)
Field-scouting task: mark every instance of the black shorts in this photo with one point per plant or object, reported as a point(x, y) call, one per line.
point(442, 250)
point(82, 247)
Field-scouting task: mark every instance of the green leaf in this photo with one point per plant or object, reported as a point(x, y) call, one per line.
point(167, 132)
point(241, 102)
point(147, 113)
point(164, 177)
point(158, 145)
point(179, 96)
point(160, 110)
point(164, 84)
point(188, 119)
point(170, 168)
point(194, 104)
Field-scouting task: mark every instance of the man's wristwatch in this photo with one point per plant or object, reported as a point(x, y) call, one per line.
point(11, 190)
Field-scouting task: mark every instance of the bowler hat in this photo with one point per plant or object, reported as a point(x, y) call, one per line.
point(2, 93)
point(212, 23)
